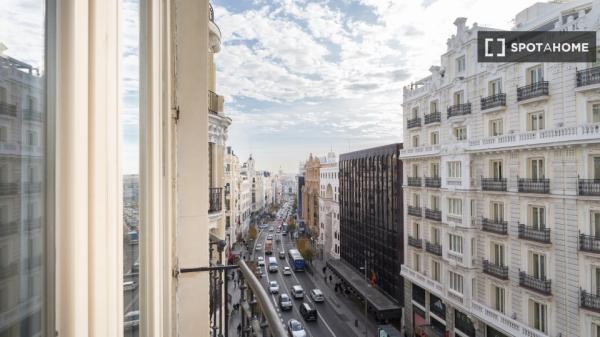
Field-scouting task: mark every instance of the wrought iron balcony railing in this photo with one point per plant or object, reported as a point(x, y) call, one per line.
point(413, 123)
point(418, 243)
point(529, 185)
point(434, 117)
point(433, 214)
point(494, 226)
point(9, 188)
point(540, 285)
point(433, 248)
point(8, 109)
point(459, 110)
point(435, 182)
point(415, 211)
point(588, 76)
point(493, 184)
point(8, 228)
point(7, 271)
point(536, 89)
point(541, 235)
point(414, 181)
point(493, 101)
point(590, 301)
point(215, 197)
point(32, 187)
point(588, 187)
point(495, 270)
point(32, 115)
point(589, 243)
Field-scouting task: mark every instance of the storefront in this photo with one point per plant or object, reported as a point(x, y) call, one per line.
point(491, 332)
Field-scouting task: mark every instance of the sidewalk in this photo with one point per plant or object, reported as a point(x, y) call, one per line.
point(233, 293)
point(344, 305)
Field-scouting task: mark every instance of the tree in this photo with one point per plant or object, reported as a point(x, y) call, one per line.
point(308, 253)
point(291, 225)
point(302, 244)
point(252, 232)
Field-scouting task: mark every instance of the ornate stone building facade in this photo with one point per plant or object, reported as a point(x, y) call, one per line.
point(310, 196)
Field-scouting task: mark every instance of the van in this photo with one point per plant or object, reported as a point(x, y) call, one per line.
point(307, 312)
point(273, 267)
point(297, 292)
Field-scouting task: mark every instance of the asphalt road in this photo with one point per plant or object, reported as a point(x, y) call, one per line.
point(329, 323)
point(130, 297)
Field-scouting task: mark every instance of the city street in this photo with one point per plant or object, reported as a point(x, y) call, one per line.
point(130, 297)
point(336, 316)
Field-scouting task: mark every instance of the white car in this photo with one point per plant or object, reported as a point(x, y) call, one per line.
point(261, 261)
point(258, 246)
point(131, 320)
point(287, 271)
point(317, 295)
point(273, 287)
point(295, 328)
point(129, 285)
point(297, 292)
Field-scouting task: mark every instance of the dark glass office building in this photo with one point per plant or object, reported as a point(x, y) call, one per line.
point(371, 216)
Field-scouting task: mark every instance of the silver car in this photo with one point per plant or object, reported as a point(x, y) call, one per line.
point(295, 328)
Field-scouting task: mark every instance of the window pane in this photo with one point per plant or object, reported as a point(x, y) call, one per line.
point(23, 120)
point(130, 137)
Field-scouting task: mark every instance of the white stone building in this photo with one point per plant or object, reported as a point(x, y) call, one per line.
point(329, 210)
point(501, 195)
point(232, 193)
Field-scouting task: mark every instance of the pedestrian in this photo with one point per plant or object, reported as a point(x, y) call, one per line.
point(239, 329)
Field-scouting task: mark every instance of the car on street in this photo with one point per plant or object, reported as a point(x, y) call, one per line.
point(131, 320)
point(273, 287)
point(261, 261)
point(271, 229)
point(287, 271)
point(285, 302)
point(308, 313)
point(129, 285)
point(295, 328)
point(270, 237)
point(282, 255)
point(258, 246)
point(317, 295)
point(298, 292)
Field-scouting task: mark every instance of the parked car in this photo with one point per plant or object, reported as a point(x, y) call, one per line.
point(308, 313)
point(270, 237)
point(261, 261)
point(287, 271)
point(258, 246)
point(131, 320)
point(285, 302)
point(298, 292)
point(282, 255)
point(317, 295)
point(273, 287)
point(295, 328)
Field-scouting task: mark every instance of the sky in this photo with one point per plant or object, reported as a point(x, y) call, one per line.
point(310, 76)
point(298, 76)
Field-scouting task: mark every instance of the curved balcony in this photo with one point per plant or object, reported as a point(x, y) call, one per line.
point(8, 109)
point(540, 285)
point(433, 214)
point(590, 301)
point(413, 123)
point(589, 243)
point(529, 185)
point(433, 248)
point(459, 110)
point(495, 270)
point(537, 89)
point(541, 235)
point(414, 211)
point(494, 101)
point(214, 31)
point(417, 243)
point(588, 76)
point(493, 184)
point(215, 197)
point(435, 182)
point(434, 117)
point(494, 226)
point(414, 181)
point(588, 187)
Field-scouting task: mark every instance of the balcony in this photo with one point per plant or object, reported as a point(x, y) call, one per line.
point(215, 32)
point(459, 110)
point(435, 182)
point(495, 270)
point(417, 243)
point(7, 271)
point(589, 243)
point(433, 214)
point(494, 226)
point(8, 228)
point(32, 187)
point(414, 211)
point(541, 235)
point(215, 197)
point(8, 109)
point(539, 285)
point(9, 188)
point(495, 318)
point(433, 248)
point(588, 187)
point(434, 117)
point(413, 123)
point(589, 301)
point(421, 151)
point(32, 115)
point(588, 76)
point(414, 181)
point(494, 101)
point(537, 89)
point(529, 185)
point(493, 184)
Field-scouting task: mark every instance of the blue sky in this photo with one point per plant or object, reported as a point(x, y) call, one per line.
point(307, 76)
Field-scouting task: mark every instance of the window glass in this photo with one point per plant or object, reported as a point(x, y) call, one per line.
point(460, 64)
point(535, 121)
point(498, 298)
point(496, 128)
point(459, 97)
point(132, 227)
point(23, 122)
point(454, 169)
point(535, 74)
point(596, 113)
point(435, 138)
point(495, 87)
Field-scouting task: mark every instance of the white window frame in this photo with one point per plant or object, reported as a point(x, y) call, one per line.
point(454, 169)
point(455, 243)
point(455, 207)
point(456, 282)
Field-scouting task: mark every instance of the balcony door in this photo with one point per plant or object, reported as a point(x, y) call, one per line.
point(536, 169)
point(496, 166)
point(535, 74)
point(435, 202)
point(537, 265)
point(435, 235)
point(596, 280)
point(535, 121)
point(537, 217)
point(595, 224)
point(415, 170)
point(459, 97)
point(435, 170)
point(497, 210)
point(498, 298)
point(495, 87)
point(596, 168)
point(497, 254)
